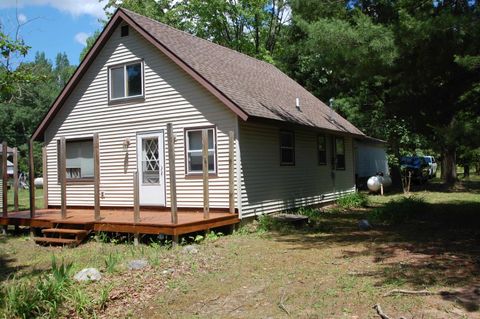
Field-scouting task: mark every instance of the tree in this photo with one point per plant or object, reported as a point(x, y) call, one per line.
point(11, 78)
point(393, 66)
point(22, 114)
point(249, 26)
point(90, 42)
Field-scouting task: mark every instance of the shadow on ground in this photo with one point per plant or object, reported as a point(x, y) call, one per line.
point(437, 247)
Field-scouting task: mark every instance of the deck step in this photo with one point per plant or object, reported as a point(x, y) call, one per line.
point(68, 231)
point(57, 241)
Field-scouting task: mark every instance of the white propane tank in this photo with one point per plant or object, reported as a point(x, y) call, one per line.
point(374, 183)
point(38, 182)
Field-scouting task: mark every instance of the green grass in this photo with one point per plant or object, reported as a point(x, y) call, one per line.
point(353, 200)
point(24, 199)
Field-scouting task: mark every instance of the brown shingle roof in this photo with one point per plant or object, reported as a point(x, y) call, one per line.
point(249, 87)
point(256, 87)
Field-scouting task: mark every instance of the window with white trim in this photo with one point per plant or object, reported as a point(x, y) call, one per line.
point(126, 81)
point(193, 138)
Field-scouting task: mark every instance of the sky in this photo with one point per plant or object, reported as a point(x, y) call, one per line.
point(52, 26)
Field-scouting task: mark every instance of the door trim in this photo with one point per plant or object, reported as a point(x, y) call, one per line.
point(162, 131)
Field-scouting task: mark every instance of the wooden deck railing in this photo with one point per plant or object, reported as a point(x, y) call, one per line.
point(97, 175)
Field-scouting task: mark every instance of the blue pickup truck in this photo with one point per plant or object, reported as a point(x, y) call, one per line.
point(417, 166)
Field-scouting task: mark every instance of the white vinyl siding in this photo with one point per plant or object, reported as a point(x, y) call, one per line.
point(171, 96)
point(267, 187)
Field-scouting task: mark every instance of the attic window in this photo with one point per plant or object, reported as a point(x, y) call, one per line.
point(126, 81)
point(124, 31)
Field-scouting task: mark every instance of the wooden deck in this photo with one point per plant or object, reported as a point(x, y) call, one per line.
point(121, 220)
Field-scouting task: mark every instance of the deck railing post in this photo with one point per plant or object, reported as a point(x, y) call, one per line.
point(206, 204)
point(15, 179)
point(63, 177)
point(31, 175)
point(45, 177)
point(231, 184)
point(4, 180)
point(171, 173)
point(136, 200)
point(96, 173)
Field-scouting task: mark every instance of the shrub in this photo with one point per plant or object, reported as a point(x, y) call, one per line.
point(353, 200)
point(399, 211)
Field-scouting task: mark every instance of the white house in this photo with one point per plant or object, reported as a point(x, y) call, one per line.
point(290, 148)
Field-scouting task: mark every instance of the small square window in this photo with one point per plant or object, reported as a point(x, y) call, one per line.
point(126, 81)
point(194, 151)
point(124, 31)
point(322, 149)
point(287, 148)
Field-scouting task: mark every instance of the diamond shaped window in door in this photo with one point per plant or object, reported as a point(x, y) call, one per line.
point(150, 161)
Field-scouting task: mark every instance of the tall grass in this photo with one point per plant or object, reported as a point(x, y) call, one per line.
point(353, 200)
point(400, 211)
point(39, 298)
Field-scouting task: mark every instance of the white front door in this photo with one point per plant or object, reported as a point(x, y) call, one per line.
point(150, 159)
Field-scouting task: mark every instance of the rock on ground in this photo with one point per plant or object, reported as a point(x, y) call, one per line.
point(137, 264)
point(364, 225)
point(88, 274)
point(190, 249)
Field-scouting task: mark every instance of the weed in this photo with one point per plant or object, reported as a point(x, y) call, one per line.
point(198, 239)
point(213, 236)
point(104, 296)
point(111, 262)
point(40, 298)
point(81, 301)
point(265, 223)
point(353, 200)
point(61, 272)
point(102, 237)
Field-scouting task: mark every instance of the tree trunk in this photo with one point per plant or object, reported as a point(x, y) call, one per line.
point(466, 170)
point(449, 165)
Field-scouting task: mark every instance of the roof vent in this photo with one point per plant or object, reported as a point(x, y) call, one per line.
point(124, 31)
point(297, 103)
